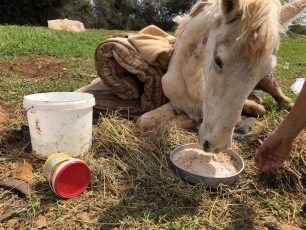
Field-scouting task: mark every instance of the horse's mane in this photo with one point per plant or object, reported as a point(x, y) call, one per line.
point(259, 25)
point(260, 28)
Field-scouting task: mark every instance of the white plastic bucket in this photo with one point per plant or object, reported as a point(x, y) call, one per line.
point(60, 122)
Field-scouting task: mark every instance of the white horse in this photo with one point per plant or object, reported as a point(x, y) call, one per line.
point(223, 50)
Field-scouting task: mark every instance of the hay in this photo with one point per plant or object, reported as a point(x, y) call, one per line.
point(134, 187)
point(124, 158)
point(146, 154)
point(141, 157)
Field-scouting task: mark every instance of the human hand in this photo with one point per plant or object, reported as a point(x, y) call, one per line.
point(274, 151)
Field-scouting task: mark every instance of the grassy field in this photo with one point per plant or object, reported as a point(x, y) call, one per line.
point(132, 186)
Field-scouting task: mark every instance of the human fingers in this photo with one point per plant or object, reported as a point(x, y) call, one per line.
point(273, 160)
point(270, 164)
point(263, 159)
point(261, 150)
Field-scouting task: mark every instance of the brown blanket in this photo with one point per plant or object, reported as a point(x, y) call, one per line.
point(107, 101)
point(129, 76)
point(154, 45)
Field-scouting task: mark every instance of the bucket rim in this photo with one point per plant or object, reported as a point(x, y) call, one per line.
point(58, 187)
point(46, 103)
point(31, 98)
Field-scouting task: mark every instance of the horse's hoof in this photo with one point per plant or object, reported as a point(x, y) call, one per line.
point(253, 109)
point(256, 97)
point(303, 210)
point(287, 105)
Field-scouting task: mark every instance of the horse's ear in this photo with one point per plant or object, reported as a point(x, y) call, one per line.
point(198, 8)
point(290, 11)
point(229, 8)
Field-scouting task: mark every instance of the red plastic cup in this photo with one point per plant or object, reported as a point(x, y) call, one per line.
point(68, 177)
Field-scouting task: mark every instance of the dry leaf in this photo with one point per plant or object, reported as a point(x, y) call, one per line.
point(23, 171)
point(12, 222)
point(40, 222)
point(290, 227)
point(3, 121)
point(84, 217)
point(90, 193)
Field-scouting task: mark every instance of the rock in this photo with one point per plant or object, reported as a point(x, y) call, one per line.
point(66, 25)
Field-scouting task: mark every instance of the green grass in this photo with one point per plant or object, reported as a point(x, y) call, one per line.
point(252, 205)
point(17, 41)
point(293, 51)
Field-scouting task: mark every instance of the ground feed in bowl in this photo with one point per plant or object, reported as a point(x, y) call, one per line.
point(205, 164)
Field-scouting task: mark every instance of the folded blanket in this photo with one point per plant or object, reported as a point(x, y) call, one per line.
point(107, 101)
point(154, 45)
point(129, 75)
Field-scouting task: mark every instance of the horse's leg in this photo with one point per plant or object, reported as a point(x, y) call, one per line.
point(184, 122)
point(148, 120)
point(166, 113)
point(269, 85)
point(253, 109)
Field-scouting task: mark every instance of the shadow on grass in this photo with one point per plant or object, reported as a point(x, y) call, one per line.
point(47, 197)
point(141, 205)
point(284, 180)
point(242, 215)
point(146, 205)
point(10, 138)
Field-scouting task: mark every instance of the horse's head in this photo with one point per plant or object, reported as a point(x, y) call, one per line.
point(239, 52)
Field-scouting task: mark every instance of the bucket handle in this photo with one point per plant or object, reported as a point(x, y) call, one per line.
point(32, 107)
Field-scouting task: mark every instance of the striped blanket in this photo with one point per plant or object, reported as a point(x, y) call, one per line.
point(129, 75)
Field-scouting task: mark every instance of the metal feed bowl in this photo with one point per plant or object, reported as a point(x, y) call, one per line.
point(208, 181)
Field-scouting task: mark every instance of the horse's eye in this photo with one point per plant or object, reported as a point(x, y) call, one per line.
point(204, 41)
point(219, 62)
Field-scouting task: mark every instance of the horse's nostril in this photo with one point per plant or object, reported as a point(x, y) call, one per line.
point(206, 146)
